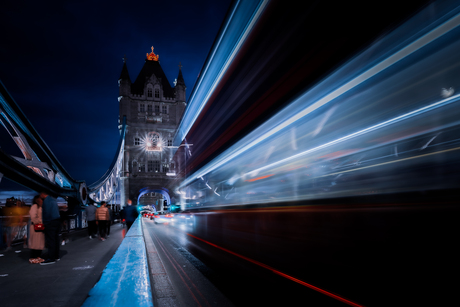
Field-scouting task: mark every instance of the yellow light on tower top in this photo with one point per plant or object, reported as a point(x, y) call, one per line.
point(152, 56)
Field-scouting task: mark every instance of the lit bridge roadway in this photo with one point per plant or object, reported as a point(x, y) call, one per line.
point(324, 168)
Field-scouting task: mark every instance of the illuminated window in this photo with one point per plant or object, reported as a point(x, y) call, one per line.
point(149, 108)
point(157, 93)
point(169, 142)
point(142, 107)
point(165, 168)
point(156, 166)
point(164, 109)
point(157, 109)
point(149, 92)
point(137, 141)
point(141, 167)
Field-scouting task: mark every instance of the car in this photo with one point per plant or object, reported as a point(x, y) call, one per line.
point(160, 219)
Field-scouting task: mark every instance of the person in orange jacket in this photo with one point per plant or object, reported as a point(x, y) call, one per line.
point(102, 218)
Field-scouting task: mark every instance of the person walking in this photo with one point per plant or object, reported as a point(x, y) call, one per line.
point(102, 217)
point(63, 212)
point(130, 213)
point(110, 221)
point(91, 219)
point(36, 238)
point(52, 223)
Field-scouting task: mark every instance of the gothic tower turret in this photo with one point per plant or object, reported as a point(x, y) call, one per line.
point(180, 86)
point(124, 83)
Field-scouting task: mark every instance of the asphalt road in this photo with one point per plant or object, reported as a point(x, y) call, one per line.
point(323, 255)
point(177, 277)
point(204, 275)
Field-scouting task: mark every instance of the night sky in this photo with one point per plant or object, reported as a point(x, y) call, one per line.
point(61, 62)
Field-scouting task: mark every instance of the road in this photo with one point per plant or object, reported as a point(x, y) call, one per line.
point(205, 275)
point(324, 255)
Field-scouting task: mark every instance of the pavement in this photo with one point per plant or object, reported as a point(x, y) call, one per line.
point(65, 283)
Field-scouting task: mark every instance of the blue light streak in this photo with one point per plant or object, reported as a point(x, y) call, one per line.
point(296, 115)
point(238, 26)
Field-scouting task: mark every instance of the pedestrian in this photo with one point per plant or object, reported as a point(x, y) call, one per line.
point(130, 213)
point(52, 223)
point(91, 219)
point(14, 222)
point(122, 217)
point(102, 217)
point(109, 222)
point(63, 212)
point(36, 238)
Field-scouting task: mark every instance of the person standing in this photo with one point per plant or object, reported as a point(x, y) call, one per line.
point(91, 219)
point(130, 213)
point(36, 238)
point(102, 217)
point(109, 222)
point(52, 223)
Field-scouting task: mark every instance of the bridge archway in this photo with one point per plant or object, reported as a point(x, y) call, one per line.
point(160, 190)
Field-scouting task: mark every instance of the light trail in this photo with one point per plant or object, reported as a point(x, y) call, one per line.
point(330, 294)
point(390, 162)
point(421, 42)
point(417, 112)
point(188, 122)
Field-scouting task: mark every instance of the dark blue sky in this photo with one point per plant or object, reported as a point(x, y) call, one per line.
point(61, 62)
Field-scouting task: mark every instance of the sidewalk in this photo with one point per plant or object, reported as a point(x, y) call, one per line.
point(65, 283)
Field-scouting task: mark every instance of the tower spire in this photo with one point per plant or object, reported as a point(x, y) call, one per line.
point(124, 71)
point(180, 78)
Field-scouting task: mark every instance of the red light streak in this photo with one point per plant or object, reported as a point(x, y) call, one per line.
point(335, 296)
point(258, 178)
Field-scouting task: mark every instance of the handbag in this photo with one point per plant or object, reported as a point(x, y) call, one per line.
point(39, 227)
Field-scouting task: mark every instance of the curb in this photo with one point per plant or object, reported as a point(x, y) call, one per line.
point(125, 280)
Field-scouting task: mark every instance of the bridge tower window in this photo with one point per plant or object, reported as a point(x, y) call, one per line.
point(149, 108)
point(137, 141)
point(142, 107)
point(156, 166)
point(150, 166)
point(141, 167)
point(164, 110)
point(157, 93)
point(149, 92)
point(157, 109)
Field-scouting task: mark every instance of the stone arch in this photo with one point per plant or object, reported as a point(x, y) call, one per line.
point(160, 190)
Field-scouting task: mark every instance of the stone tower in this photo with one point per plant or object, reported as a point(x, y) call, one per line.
point(153, 110)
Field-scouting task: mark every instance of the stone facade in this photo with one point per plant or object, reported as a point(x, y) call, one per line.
point(153, 111)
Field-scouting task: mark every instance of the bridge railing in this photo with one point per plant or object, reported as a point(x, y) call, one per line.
point(104, 189)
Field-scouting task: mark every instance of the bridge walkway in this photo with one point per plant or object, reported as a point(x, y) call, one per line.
point(65, 283)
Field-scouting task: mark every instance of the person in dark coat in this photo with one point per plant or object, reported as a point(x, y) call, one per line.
point(52, 221)
point(91, 219)
point(130, 213)
point(110, 221)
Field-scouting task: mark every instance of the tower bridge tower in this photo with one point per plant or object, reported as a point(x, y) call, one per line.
point(153, 110)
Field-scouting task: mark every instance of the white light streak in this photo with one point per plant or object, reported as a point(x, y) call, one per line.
point(223, 70)
point(420, 111)
point(396, 57)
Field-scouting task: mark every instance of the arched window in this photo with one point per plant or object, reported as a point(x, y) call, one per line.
point(149, 92)
point(157, 93)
